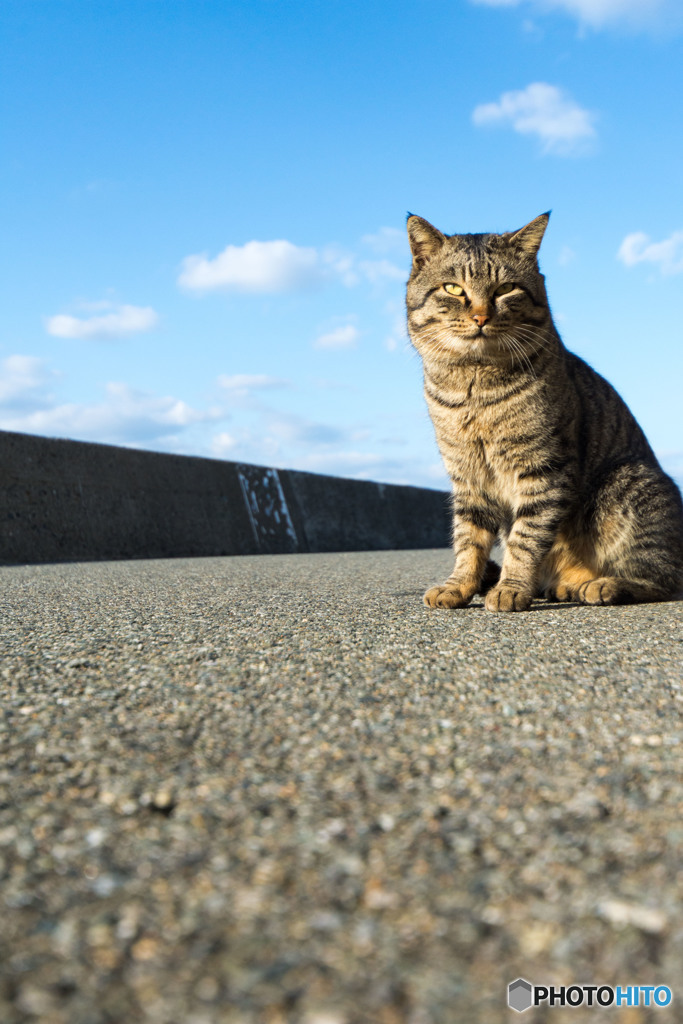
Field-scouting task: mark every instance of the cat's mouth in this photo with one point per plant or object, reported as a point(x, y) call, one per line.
point(478, 335)
point(483, 342)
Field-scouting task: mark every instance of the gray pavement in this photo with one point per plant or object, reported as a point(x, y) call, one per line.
point(278, 789)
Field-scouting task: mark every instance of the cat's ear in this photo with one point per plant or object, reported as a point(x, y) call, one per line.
point(529, 237)
point(424, 240)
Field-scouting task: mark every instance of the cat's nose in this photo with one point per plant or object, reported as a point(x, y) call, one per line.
point(481, 318)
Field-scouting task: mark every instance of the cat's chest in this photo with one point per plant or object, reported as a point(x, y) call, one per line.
point(482, 455)
point(477, 444)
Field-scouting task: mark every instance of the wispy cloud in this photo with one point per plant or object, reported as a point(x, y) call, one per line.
point(23, 383)
point(341, 337)
point(125, 416)
point(398, 339)
point(281, 439)
point(294, 442)
point(339, 263)
point(247, 429)
point(358, 464)
point(543, 110)
point(386, 240)
point(375, 464)
point(598, 13)
point(277, 266)
point(382, 270)
point(120, 322)
point(298, 430)
point(223, 445)
point(667, 255)
point(248, 382)
point(281, 266)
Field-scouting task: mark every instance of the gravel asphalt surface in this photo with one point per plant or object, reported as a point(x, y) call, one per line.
point(279, 790)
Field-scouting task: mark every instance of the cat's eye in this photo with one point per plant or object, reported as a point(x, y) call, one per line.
point(454, 289)
point(503, 289)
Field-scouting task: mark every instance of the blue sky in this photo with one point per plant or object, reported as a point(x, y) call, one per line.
point(204, 205)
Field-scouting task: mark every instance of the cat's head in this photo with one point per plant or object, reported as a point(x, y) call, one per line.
point(476, 298)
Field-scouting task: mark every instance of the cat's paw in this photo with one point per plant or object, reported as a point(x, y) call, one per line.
point(448, 596)
point(503, 598)
point(560, 592)
point(605, 590)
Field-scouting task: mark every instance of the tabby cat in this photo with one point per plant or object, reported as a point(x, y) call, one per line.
point(541, 450)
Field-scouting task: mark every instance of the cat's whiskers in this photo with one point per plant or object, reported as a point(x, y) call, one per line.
point(533, 334)
point(529, 329)
point(520, 341)
point(440, 347)
point(515, 348)
point(505, 341)
point(442, 340)
point(532, 342)
point(529, 338)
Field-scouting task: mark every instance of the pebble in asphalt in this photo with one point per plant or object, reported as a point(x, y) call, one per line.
point(278, 789)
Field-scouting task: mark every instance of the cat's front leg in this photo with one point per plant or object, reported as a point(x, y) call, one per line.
point(474, 531)
point(531, 537)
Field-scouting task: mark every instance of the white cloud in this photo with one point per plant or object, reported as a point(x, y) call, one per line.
point(340, 337)
point(278, 438)
point(386, 240)
point(280, 266)
point(398, 339)
point(23, 380)
point(276, 266)
point(330, 384)
point(360, 465)
point(246, 382)
point(223, 445)
point(637, 248)
point(126, 416)
point(546, 111)
point(383, 270)
point(373, 465)
point(243, 390)
point(598, 13)
point(122, 320)
point(297, 430)
point(341, 263)
point(256, 432)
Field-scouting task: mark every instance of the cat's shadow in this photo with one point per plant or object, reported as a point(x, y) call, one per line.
point(538, 605)
point(543, 605)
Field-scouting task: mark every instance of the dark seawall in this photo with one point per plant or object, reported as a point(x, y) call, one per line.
point(63, 501)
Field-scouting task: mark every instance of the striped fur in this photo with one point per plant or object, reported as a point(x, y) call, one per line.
point(542, 452)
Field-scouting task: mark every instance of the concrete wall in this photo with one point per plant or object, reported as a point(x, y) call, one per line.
point(64, 501)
